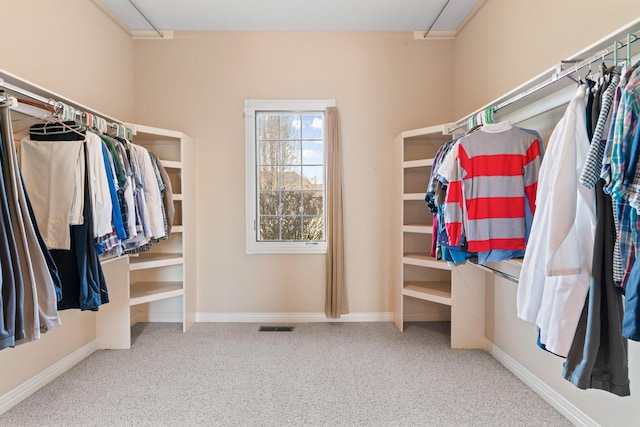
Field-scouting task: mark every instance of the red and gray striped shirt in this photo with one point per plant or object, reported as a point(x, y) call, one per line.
point(494, 177)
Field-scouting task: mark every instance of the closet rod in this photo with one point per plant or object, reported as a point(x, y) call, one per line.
point(561, 74)
point(49, 101)
point(507, 276)
point(555, 77)
point(24, 92)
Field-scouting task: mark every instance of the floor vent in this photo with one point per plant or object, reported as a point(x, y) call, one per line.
point(276, 328)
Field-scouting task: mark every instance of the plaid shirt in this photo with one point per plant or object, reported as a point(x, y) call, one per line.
point(626, 198)
point(593, 164)
point(631, 101)
point(627, 235)
point(611, 163)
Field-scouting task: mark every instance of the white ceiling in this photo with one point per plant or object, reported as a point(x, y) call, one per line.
point(292, 15)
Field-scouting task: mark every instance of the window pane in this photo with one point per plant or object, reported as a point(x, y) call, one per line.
point(289, 170)
point(290, 153)
point(312, 126)
point(313, 228)
point(268, 126)
point(269, 228)
point(312, 204)
point(269, 204)
point(291, 178)
point(291, 227)
point(290, 126)
point(268, 153)
point(312, 153)
point(268, 178)
point(313, 177)
point(291, 201)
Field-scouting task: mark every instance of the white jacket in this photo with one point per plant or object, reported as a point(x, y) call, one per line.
point(556, 269)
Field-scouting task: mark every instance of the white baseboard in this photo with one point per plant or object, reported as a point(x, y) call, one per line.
point(555, 399)
point(35, 383)
point(291, 317)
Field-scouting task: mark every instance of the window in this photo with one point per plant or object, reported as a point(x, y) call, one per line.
point(285, 176)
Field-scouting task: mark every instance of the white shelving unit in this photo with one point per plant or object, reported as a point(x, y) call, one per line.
point(160, 283)
point(428, 289)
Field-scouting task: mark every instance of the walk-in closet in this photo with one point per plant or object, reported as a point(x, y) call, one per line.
point(317, 213)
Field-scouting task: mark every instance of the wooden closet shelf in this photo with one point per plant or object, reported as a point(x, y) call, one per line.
point(171, 164)
point(439, 292)
point(515, 261)
point(422, 260)
point(145, 261)
point(413, 196)
point(418, 228)
point(423, 163)
point(143, 292)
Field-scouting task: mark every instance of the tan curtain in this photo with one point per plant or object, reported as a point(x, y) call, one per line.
point(336, 292)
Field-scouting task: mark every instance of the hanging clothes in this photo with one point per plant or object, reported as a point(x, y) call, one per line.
point(435, 196)
point(35, 302)
point(11, 297)
point(61, 168)
point(167, 192)
point(556, 269)
point(622, 181)
point(111, 243)
point(151, 193)
point(83, 283)
point(598, 356)
point(101, 203)
point(492, 186)
point(127, 190)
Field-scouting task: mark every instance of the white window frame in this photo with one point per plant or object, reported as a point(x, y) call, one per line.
point(251, 106)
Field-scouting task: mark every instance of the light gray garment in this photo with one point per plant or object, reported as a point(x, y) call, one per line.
point(40, 301)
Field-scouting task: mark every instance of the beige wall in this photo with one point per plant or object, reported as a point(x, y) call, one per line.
point(509, 42)
point(70, 47)
point(506, 44)
point(383, 83)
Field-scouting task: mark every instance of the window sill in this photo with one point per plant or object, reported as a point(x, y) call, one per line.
point(284, 249)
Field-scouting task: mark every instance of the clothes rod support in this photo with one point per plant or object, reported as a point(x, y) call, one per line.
point(146, 19)
point(426, 33)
